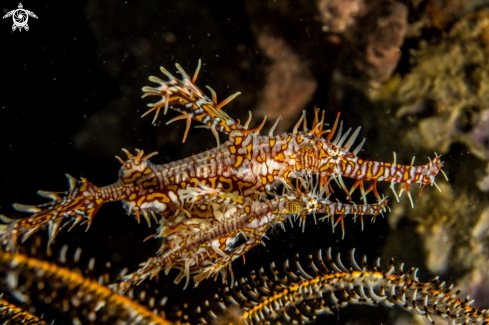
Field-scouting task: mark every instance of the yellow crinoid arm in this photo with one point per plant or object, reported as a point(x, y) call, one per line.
point(10, 312)
point(325, 285)
point(87, 290)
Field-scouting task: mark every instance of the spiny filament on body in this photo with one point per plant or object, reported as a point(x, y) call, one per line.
point(332, 159)
point(184, 93)
point(247, 165)
point(78, 205)
point(211, 250)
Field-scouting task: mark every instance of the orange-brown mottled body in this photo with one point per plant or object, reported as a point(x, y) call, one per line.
point(210, 250)
point(248, 164)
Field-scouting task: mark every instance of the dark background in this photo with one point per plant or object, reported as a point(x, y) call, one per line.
point(72, 64)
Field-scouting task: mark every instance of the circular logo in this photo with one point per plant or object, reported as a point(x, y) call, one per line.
point(20, 17)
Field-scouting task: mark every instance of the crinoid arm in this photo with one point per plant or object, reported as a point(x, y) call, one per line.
point(11, 314)
point(182, 95)
point(78, 205)
point(301, 292)
point(84, 291)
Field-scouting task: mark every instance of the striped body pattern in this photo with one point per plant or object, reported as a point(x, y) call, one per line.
point(296, 296)
point(241, 178)
point(242, 165)
point(306, 152)
point(209, 251)
point(79, 204)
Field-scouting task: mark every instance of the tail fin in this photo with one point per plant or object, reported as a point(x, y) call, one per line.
point(80, 202)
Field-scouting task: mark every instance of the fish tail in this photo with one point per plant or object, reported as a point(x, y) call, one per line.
point(76, 206)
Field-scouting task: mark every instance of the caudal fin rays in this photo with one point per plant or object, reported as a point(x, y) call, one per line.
point(80, 202)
